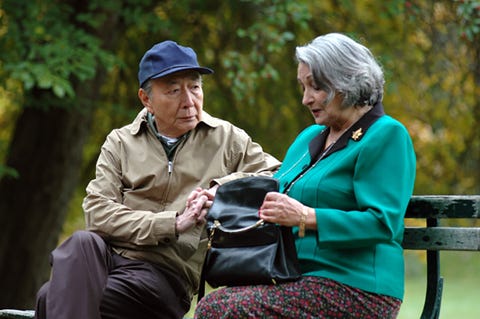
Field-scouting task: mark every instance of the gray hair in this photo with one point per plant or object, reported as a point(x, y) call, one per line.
point(341, 65)
point(147, 87)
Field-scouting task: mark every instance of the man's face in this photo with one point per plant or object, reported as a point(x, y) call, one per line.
point(176, 101)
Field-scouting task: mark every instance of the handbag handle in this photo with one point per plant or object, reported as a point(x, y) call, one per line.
point(217, 224)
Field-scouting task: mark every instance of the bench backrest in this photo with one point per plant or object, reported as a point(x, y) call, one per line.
point(437, 237)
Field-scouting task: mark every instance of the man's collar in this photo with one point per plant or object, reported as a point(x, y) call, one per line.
point(138, 121)
point(210, 120)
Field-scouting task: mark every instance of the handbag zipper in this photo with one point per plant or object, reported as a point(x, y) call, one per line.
point(216, 223)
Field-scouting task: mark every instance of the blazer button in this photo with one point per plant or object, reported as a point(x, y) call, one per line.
point(167, 240)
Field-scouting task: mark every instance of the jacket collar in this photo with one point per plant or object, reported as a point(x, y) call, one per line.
point(141, 119)
point(355, 132)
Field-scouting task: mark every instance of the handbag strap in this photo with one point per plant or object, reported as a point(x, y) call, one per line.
point(201, 286)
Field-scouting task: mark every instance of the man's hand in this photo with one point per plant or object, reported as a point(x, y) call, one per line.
point(210, 193)
point(193, 214)
point(197, 205)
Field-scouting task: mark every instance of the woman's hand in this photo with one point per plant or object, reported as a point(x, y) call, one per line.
point(282, 209)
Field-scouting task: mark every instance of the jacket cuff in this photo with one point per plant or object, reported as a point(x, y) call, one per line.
point(164, 227)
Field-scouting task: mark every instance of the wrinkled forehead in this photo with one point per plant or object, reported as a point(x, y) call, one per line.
point(191, 75)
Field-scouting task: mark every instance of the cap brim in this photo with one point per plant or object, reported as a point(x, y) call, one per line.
point(171, 70)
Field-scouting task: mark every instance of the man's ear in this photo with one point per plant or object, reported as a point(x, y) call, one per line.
point(145, 99)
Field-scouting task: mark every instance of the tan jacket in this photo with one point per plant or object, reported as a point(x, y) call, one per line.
point(136, 194)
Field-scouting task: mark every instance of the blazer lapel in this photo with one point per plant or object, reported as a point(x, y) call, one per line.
point(355, 132)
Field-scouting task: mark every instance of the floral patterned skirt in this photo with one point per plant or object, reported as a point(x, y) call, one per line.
point(309, 297)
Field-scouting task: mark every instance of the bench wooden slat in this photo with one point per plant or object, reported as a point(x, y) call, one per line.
point(16, 314)
point(446, 206)
point(442, 238)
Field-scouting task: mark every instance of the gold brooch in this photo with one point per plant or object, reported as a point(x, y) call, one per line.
point(356, 134)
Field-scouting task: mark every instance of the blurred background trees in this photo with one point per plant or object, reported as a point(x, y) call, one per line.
point(68, 75)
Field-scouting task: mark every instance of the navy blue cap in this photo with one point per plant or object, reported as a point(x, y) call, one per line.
point(165, 58)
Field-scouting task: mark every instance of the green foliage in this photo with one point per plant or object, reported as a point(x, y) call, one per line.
point(469, 12)
point(267, 35)
point(8, 171)
point(44, 48)
point(438, 95)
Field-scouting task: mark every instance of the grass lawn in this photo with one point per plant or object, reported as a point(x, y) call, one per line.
point(461, 286)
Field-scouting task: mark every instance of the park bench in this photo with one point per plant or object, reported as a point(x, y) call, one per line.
point(433, 237)
point(437, 235)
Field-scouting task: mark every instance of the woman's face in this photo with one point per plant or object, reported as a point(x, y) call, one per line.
point(331, 114)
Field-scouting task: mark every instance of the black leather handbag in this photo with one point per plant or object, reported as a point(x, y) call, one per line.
point(243, 249)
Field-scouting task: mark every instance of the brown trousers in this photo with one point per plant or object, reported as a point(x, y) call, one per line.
point(89, 281)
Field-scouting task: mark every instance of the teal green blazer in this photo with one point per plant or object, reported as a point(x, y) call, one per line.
point(359, 189)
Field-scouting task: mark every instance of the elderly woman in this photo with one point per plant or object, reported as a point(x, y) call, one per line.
point(345, 184)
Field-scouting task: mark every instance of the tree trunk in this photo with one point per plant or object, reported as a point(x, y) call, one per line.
point(46, 150)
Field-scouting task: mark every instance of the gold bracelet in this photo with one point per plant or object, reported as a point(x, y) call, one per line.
point(303, 218)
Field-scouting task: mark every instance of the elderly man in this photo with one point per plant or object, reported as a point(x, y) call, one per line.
point(142, 252)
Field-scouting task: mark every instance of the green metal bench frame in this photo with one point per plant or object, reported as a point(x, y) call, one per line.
point(433, 238)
